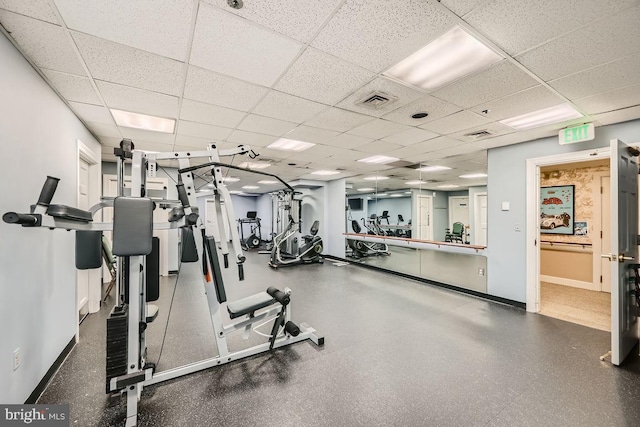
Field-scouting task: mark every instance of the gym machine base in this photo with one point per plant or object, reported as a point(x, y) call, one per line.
point(128, 371)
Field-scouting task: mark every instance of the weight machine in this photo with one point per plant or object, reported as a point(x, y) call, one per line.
point(128, 369)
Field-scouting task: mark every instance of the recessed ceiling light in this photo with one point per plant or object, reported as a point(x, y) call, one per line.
point(267, 181)
point(397, 195)
point(453, 55)
point(407, 192)
point(366, 189)
point(254, 165)
point(546, 116)
point(448, 186)
point(235, 192)
point(285, 144)
point(325, 173)
point(433, 168)
point(250, 187)
point(473, 175)
point(419, 115)
point(379, 159)
point(230, 179)
point(376, 178)
point(142, 121)
point(416, 182)
point(381, 194)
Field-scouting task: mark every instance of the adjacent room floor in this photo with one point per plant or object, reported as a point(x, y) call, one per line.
point(581, 306)
point(397, 352)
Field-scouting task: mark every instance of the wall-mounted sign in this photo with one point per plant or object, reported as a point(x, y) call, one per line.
point(577, 134)
point(556, 210)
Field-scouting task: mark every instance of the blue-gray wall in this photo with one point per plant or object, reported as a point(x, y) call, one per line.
point(507, 183)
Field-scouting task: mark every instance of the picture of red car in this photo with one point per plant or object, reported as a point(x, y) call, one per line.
point(552, 201)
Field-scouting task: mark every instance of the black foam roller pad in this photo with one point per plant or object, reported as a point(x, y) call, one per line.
point(88, 249)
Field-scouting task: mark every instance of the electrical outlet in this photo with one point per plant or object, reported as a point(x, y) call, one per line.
point(480, 271)
point(16, 358)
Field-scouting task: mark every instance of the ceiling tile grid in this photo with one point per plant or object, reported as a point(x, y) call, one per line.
point(378, 128)
point(298, 19)
point(210, 114)
point(347, 141)
point(610, 101)
point(213, 88)
point(376, 34)
point(338, 120)
point(322, 78)
point(73, 87)
point(47, 45)
point(310, 134)
point(410, 136)
point(532, 99)
point(436, 108)
point(157, 26)
point(455, 122)
point(125, 65)
point(266, 125)
point(37, 9)
point(202, 130)
point(400, 95)
point(137, 100)
point(462, 7)
point(287, 107)
point(92, 113)
point(233, 46)
point(377, 147)
point(251, 138)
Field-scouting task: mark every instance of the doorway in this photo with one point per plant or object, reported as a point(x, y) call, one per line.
point(425, 215)
point(459, 210)
point(480, 219)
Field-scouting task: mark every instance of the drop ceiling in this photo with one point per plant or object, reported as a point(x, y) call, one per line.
point(297, 68)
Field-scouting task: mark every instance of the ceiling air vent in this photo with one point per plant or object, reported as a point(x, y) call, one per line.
point(376, 100)
point(479, 134)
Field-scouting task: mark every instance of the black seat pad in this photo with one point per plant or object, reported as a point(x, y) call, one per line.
point(249, 304)
point(69, 213)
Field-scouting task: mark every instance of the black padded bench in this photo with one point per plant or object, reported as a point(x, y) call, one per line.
point(249, 304)
point(69, 213)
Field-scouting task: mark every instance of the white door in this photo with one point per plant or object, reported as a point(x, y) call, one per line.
point(605, 239)
point(480, 216)
point(425, 215)
point(624, 249)
point(458, 210)
point(82, 281)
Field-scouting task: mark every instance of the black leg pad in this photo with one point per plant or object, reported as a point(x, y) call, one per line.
point(88, 249)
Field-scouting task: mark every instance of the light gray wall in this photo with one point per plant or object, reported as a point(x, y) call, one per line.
point(313, 209)
point(38, 275)
point(507, 183)
point(395, 206)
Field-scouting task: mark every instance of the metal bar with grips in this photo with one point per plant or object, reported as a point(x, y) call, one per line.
point(26, 220)
point(48, 190)
point(282, 297)
point(193, 168)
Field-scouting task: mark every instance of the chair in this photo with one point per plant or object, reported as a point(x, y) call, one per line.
point(455, 234)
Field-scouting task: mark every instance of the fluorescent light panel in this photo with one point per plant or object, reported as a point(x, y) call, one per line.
point(230, 179)
point(433, 168)
point(325, 173)
point(473, 175)
point(267, 181)
point(285, 144)
point(376, 178)
point(447, 186)
point(254, 165)
point(453, 55)
point(546, 116)
point(415, 182)
point(380, 160)
point(366, 189)
point(397, 195)
point(250, 187)
point(142, 121)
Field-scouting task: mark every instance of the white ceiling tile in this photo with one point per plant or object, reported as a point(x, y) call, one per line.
point(265, 125)
point(158, 26)
point(37, 9)
point(378, 128)
point(455, 122)
point(202, 130)
point(210, 114)
point(378, 33)
point(142, 138)
point(191, 148)
point(213, 88)
point(345, 140)
point(610, 101)
point(500, 80)
point(517, 26)
point(603, 41)
point(378, 147)
point(322, 78)
point(603, 78)
point(310, 134)
point(405, 95)
point(528, 100)
point(267, 154)
point(439, 143)
point(251, 138)
point(125, 65)
point(494, 128)
point(410, 136)
point(408, 153)
point(345, 156)
point(47, 45)
point(138, 100)
point(109, 143)
point(617, 116)
point(515, 138)
point(72, 87)
point(92, 113)
point(435, 107)
point(288, 107)
point(191, 141)
point(102, 129)
point(338, 119)
point(298, 19)
point(459, 149)
point(462, 7)
point(233, 46)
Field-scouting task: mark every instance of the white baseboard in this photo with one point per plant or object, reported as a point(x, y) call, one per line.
point(570, 282)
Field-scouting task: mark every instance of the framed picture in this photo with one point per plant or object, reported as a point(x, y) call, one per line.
point(557, 210)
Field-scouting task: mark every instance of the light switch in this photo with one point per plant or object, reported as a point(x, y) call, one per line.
point(505, 206)
point(518, 227)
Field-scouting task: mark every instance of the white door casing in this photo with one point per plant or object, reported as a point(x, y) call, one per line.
point(425, 217)
point(82, 276)
point(480, 219)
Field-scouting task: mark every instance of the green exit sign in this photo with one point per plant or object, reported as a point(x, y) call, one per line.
point(577, 134)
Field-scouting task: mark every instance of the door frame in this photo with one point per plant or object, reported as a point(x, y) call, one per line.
point(596, 241)
point(418, 222)
point(93, 160)
point(449, 206)
point(533, 166)
point(476, 216)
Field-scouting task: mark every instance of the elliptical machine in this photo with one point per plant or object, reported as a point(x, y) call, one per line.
point(285, 251)
point(361, 249)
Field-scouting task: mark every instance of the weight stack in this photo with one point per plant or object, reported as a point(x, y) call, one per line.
point(117, 327)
